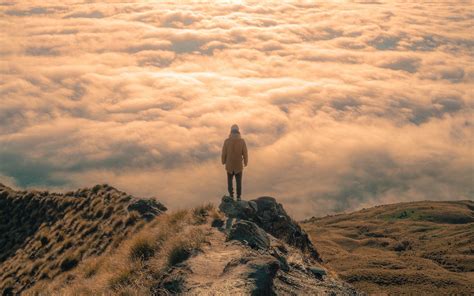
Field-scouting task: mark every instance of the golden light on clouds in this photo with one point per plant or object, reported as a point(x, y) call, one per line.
point(343, 105)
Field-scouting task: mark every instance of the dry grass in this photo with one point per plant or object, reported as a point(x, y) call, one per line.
point(138, 264)
point(142, 248)
point(410, 248)
point(44, 234)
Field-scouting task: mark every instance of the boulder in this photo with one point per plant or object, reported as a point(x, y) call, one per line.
point(250, 234)
point(241, 209)
point(272, 218)
point(217, 222)
point(227, 206)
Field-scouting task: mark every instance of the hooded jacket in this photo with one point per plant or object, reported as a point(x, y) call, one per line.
point(234, 152)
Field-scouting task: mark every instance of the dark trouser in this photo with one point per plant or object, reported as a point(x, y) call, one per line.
point(238, 180)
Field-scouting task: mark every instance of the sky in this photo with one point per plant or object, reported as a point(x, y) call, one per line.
point(343, 105)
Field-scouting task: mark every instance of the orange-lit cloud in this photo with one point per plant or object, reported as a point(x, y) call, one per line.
point(343, 105)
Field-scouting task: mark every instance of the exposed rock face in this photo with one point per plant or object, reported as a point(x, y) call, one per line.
point(238, 209)
point(43, 234)
point(271, 217)
point(280, 259)
point(250, 234)
point(263, 273)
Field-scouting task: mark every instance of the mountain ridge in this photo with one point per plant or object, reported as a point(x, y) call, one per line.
point(44, 234)
point(100, 240)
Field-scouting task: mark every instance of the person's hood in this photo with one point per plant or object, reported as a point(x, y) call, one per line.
point(234, 136)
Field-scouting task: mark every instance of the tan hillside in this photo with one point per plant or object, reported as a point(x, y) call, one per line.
point(44, 234)
point(244, 248)
point(101, 241)
point(416, 248)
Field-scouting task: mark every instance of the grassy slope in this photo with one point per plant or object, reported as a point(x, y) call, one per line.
point(181, 252)
point(141, 262)
point(408, 248)
point(44, 234)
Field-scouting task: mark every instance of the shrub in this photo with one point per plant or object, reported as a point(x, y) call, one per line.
point(117, 224)
point(121, 278)
point(132, 218)
point(174, 285)
point(178, 216)
point(142, 248)
point(44, 240)
point(178, 254)
point(202, 210)
point(69, 263)
point(402, 246)
point(91, 267)
point(200, 213)
point(108, 212)
point(181, 249)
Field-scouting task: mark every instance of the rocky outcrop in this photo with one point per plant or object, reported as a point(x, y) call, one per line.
point(250, 234)
point(269, 215)
point(277, 256)
point(241, 209)
point(192, 252)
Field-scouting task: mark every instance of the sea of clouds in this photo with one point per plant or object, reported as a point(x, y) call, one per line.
point(343, 105)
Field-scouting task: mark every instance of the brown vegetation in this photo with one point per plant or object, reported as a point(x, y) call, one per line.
point(101, 241)
point(408, 248)
point(138, 266)
point(183, 253)
point(44, 234)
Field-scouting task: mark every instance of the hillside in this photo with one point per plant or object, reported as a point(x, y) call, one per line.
point(242, 248)
point(44, 234)
point(412, 248)
point(101, 241)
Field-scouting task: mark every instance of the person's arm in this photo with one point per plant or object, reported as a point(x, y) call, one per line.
point(245, 154)
point(224, 152)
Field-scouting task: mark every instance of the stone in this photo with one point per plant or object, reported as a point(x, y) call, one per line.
point(238, 209)
point(250, 234)
point(217, 223)
point(227, 206)
point(270, 216)
point(275, 252)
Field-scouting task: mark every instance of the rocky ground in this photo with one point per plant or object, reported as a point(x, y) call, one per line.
point(239, 248)
point(256, 250)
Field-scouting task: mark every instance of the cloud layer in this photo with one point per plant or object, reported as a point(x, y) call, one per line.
point(343, 105)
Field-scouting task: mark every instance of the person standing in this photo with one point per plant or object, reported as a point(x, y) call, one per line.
point(234, 157)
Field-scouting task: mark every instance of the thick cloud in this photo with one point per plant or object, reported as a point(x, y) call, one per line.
point(343, 105)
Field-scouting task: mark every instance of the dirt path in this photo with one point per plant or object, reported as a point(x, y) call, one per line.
point(207, 269)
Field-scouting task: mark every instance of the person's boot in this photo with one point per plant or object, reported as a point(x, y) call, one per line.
point(238, 198)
